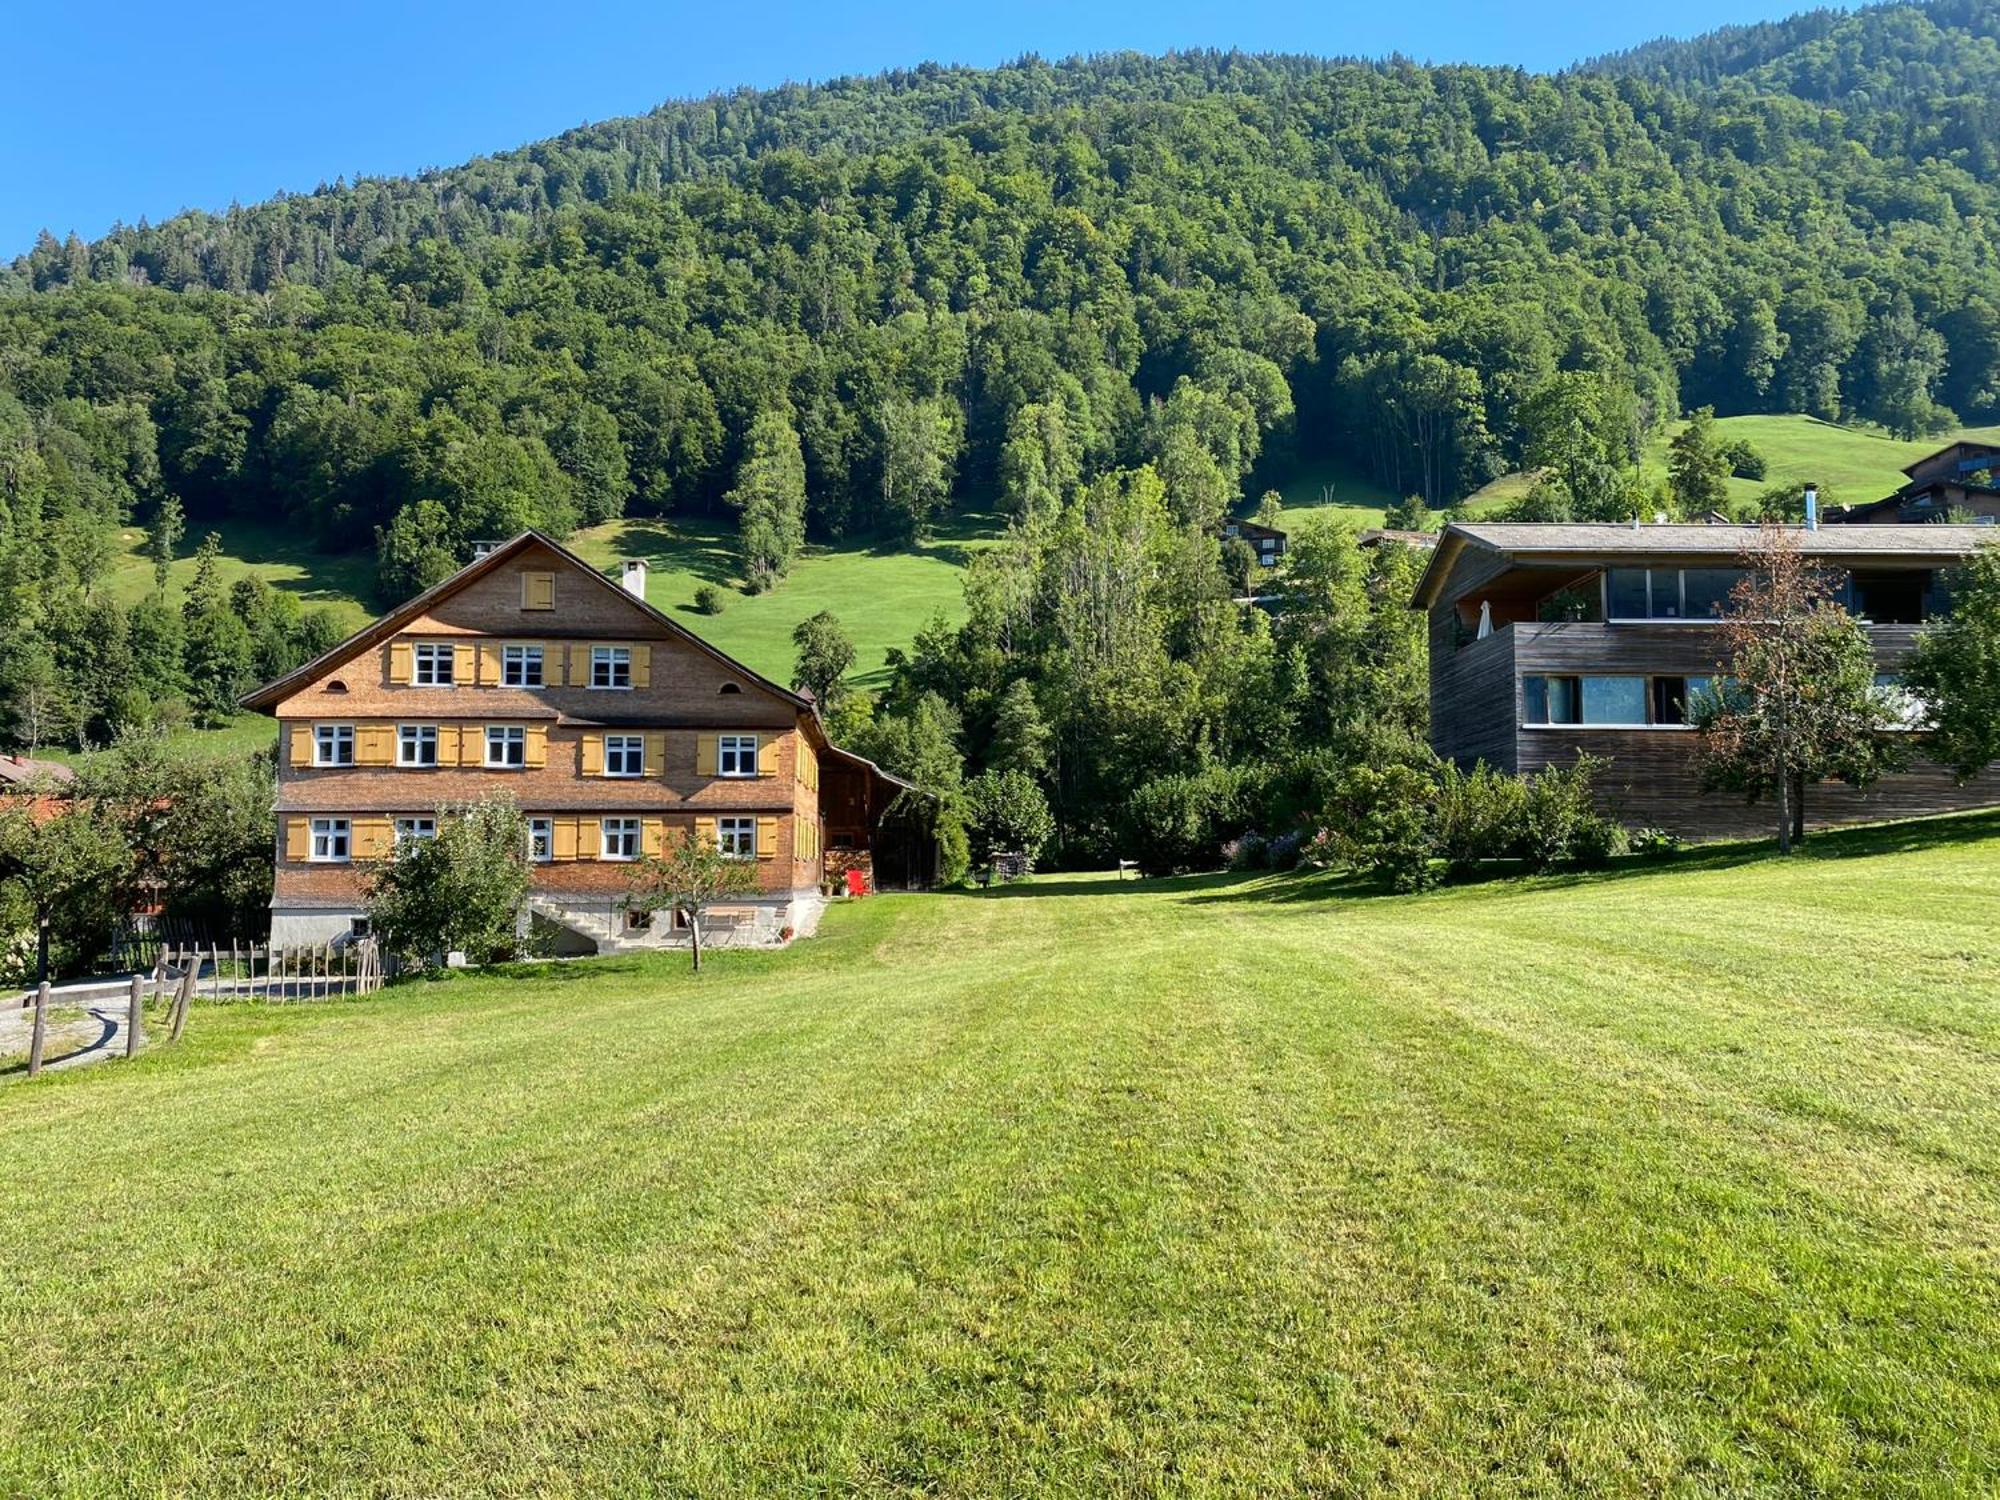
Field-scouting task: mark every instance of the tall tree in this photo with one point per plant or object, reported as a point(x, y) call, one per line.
point(919, 451)
point(1955, 669)
point(685, 879)
point(163, 536)
point(1795, 699)
point(771, 495)
point(824, 655)
point(1698, 466)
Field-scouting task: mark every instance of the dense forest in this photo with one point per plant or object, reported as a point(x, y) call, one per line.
point(832, 309)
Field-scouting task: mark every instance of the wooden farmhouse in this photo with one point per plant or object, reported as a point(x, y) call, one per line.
point(528, 674)
point(1955, 481)
point(1551, 640)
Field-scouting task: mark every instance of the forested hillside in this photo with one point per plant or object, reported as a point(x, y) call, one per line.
point(828, 311)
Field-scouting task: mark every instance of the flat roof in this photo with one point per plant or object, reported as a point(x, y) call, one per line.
point(1608, 543)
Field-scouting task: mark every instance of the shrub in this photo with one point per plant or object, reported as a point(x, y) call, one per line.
point(1282, 852)
point(1175, 823)
point(1481, 814)
point(1006, 813)
point(1653, 843)
point(1382, 822)
point(1246, 852)
point(708, 599)
point(1563, 824)
point(1745, 462)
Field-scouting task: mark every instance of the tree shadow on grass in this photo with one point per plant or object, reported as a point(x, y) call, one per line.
point(1865, 841)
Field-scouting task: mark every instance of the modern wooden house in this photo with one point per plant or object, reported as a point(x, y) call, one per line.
point(531, 675)
point(1959, 480)
point(1547, 641)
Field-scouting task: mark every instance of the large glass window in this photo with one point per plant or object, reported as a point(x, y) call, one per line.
point(409, 829)
point(1614, 700)
point(1549, 700)
point(541, 840)
point(1707, 591)
point(621, 838)
point(1625, 594)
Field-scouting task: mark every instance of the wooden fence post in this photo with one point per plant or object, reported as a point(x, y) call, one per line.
point(41, 1032)
point(135, 1017)
point(181, 998)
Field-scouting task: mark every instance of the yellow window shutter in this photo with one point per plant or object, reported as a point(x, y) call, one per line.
point(593, 755)
point(767, 838)
point(399, 662)
point(587, 838)
point(653, 833)
point(447, 744)
point(704, 832)
point(472, 745)
point(767, 756)
point(374, 745)
point(373, 838)
point(298, 839)
point(562, 833)
point(642, 666)
point(489, 666)
point(302, 744)
point(579, 665)
point(538, 591)
point(656, 754)
point(463, 664)
point(538, 746)
point(704, 755)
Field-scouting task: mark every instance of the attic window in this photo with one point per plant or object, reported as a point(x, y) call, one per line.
point(336, 686)
point(538, 591)
point(730, 687)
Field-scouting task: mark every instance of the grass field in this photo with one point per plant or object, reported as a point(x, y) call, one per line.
point(1674, 1180)
point(883, 595)
point(281, 557)
point(1852, 465)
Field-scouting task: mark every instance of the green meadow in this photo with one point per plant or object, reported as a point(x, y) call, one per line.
point(1675, 1179)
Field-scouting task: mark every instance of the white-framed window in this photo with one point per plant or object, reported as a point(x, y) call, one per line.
point(736, 755)
point(621, 838)
point(541, 840)
point(416, 745)
point(330, 841)
point(521, 666)
point(624, 755)
point(610, 666)
point(430, 665)
point(506, 745)
point(416, 828)
point(333, 744)
point(736, 837)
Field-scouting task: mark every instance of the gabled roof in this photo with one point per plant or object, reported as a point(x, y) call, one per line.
point(1936, 454)
point(1609, 543)
point(267, 697)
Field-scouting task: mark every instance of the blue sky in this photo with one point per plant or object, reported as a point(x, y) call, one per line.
point(114, 111)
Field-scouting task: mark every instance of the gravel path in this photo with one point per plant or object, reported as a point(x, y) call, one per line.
point(76, 1035)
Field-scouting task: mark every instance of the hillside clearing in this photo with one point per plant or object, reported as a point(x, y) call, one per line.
point(1673, 1179)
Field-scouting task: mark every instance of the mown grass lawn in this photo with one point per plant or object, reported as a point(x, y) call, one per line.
point(1671, 1180)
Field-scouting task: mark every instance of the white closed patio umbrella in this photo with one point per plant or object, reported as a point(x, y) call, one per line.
point(1485, 619)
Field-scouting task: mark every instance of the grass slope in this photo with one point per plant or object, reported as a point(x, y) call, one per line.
point(1852, 465)
point(278, 555)
point(1683, 1179)
point(883, 595)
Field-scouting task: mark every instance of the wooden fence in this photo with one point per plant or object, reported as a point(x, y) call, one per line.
point(261, 972)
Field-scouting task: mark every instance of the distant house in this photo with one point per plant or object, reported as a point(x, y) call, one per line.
point(1547, 642)
point(1267, 542)
point(17, 771)
point(613, 727)
point(1376, 536)
point(1962, 479)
